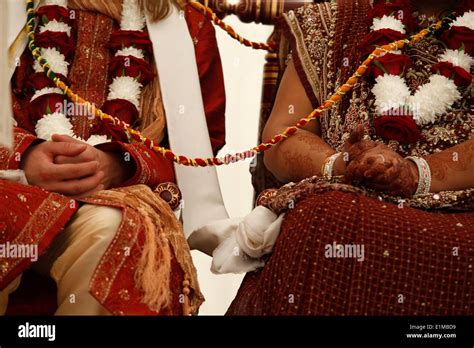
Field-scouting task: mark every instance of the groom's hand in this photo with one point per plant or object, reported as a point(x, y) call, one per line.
point(111, 165)
point(67, 179)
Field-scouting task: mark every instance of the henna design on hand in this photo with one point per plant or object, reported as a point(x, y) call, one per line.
point(376, 166)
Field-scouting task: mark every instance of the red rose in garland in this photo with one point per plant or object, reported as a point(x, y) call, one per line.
point(390, 63)
point(133, 67)
point(130, 38)
point(129, 68)
point(378, 11)
point(54, 12)
point(459, 38)
point(130, 71)
point(112, 131)
point(59, 40)
point(379, 38)
point(124, 111)
point(429, 100)
point(46, 104)
point(400, 9)
point(465, 6)
point(460, 76)
point(38, 81)
point(121, 109)
point(399, 128)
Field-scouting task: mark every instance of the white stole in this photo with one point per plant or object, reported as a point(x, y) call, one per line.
point(187, 128)
point(174, 54)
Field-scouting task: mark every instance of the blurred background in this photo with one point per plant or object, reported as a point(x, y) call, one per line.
point(243, 73)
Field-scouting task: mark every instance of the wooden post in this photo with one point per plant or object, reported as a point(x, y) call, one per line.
point(258, 11)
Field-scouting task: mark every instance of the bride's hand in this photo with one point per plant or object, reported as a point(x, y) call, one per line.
point(376, 166)
point(353, 147)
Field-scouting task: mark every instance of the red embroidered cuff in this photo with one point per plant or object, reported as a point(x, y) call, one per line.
point(22, 140)
point(150, 169)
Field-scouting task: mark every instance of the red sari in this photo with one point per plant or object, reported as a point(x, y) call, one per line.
point(413, 264)
point(31, 215)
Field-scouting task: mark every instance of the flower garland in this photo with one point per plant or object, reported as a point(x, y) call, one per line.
point(129, 69)
point(240, 156)
point(392, 94)
point(54, 38)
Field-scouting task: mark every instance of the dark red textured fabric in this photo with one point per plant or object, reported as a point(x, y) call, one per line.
point(41, 301)
point(415, 262)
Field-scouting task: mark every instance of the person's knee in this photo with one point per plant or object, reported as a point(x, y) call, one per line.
point(100, 218)
point(85, 239)
point(95, 224)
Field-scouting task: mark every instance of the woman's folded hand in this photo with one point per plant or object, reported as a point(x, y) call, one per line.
point(374, 165)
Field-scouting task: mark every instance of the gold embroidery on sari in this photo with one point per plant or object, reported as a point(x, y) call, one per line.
point(312, 36)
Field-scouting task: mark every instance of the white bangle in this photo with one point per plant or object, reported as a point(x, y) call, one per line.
point(424, 175)
point(328, 165)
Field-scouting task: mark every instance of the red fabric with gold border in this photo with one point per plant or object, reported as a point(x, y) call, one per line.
point(151, 168)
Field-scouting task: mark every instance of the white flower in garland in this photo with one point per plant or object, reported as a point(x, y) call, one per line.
point(466, 20)
point(122, 87)
point(388, 22)
point(62, 3)
point(46, 90)
point(132, 16)
point(457, 58)
point(390, 92)
point(55, 123)
point(433, 99)
point(58, 123)
point(56, 60)
point(131, 51)
point(56, 26)
point(126, 87)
